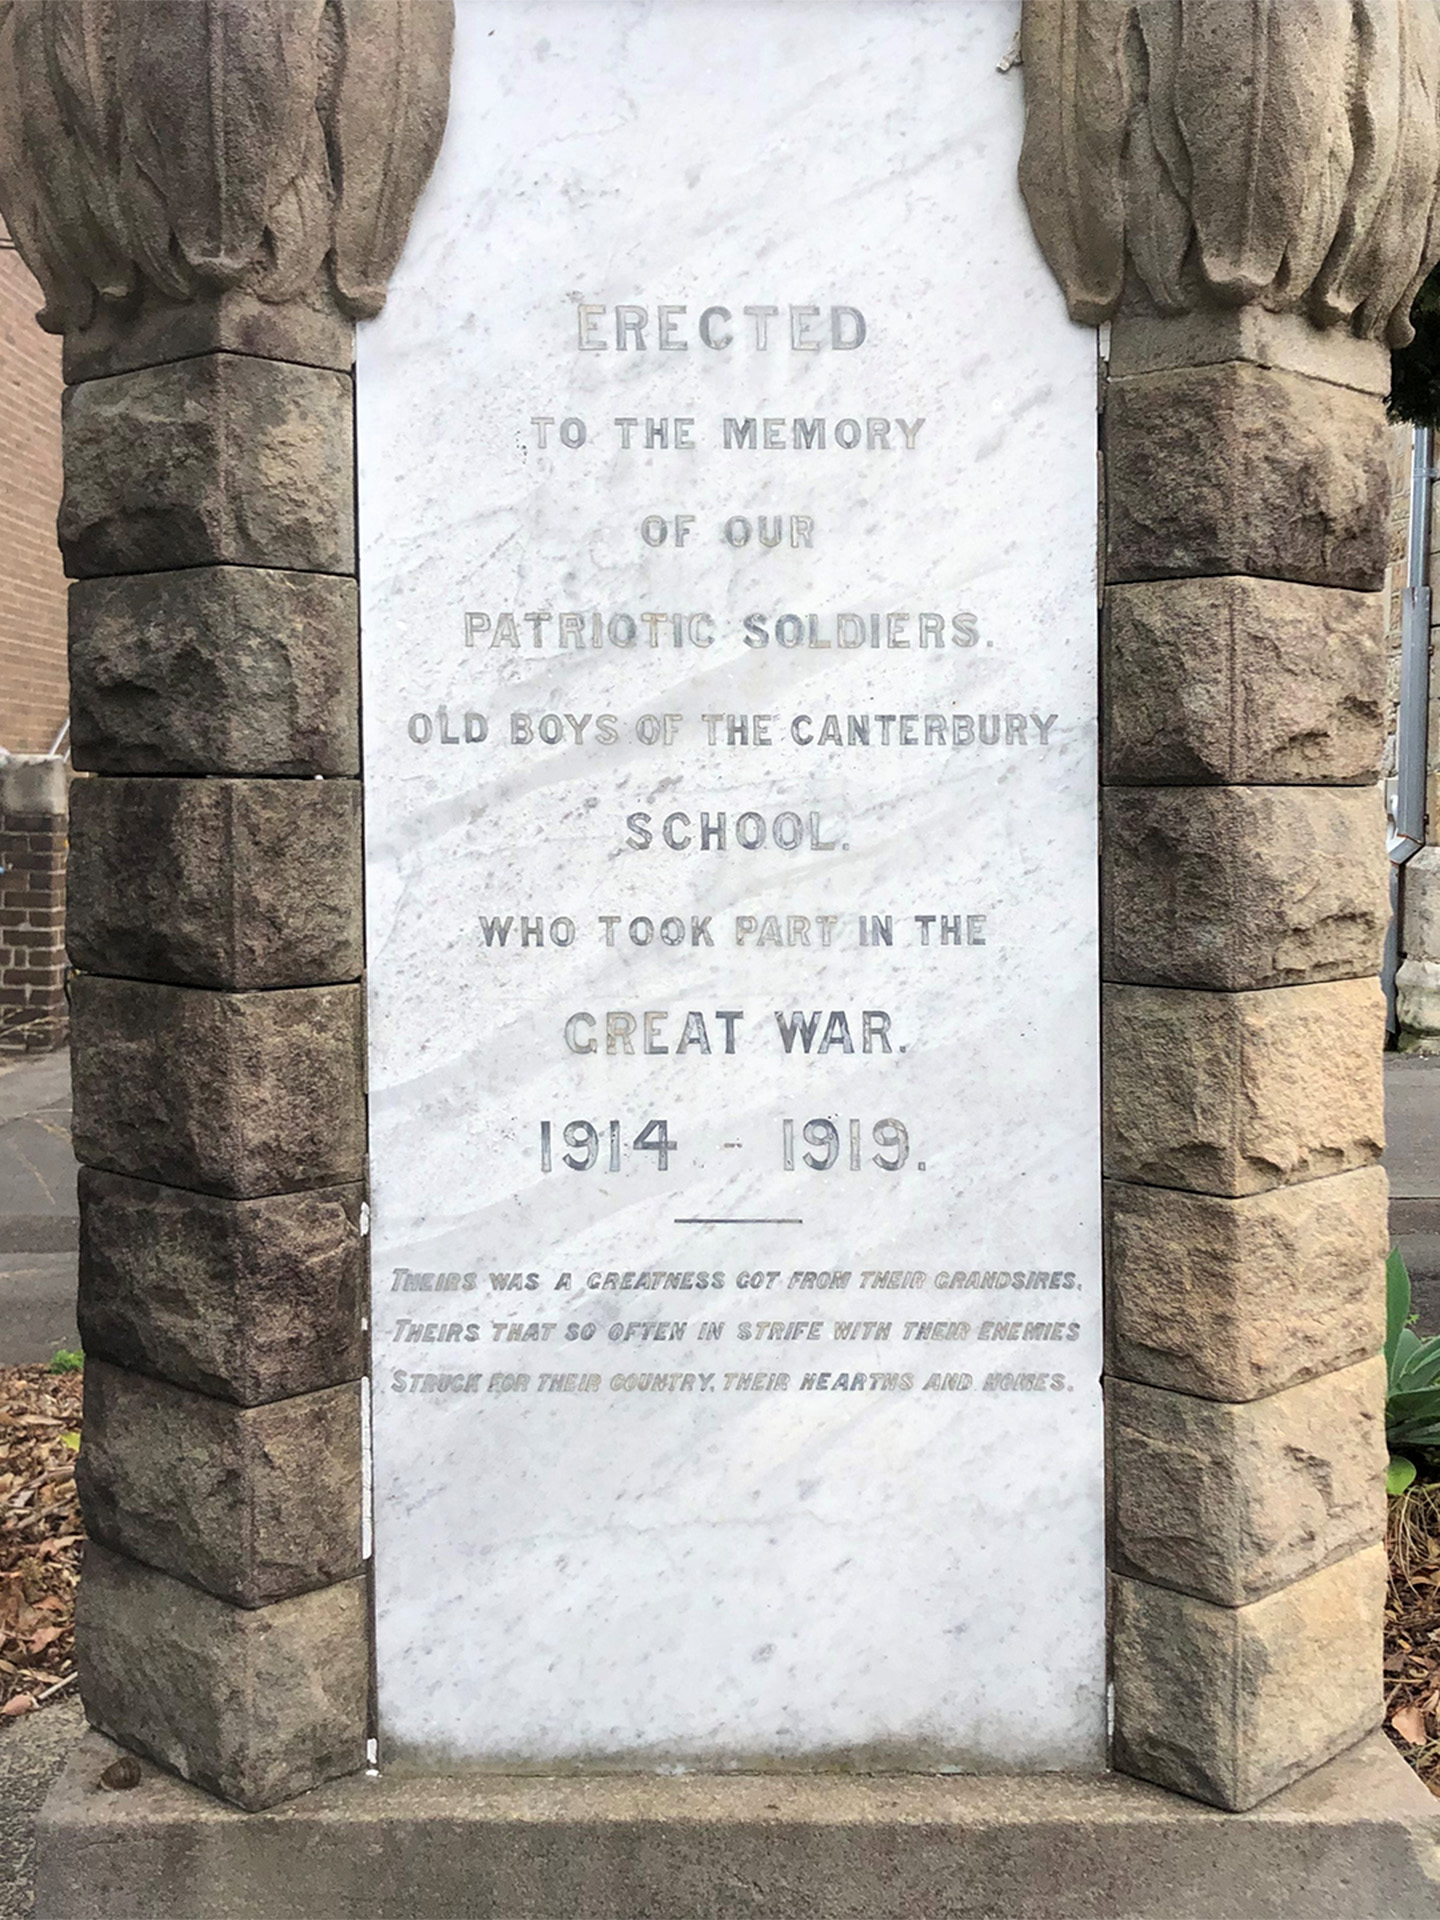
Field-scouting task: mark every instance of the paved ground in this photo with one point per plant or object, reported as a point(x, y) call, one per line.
point(1412, 1121)
point(32, 1751)
point(37, 1315)
point(37, 1209)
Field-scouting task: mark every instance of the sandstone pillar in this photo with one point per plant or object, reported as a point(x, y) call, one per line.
point(210, 194)
point(1244, 193)
point(1417, 984)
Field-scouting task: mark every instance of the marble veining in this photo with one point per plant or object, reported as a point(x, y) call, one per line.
point(716, 781)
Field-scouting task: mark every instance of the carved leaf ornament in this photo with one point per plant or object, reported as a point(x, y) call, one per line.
point(1202, 153)
point(199, 145)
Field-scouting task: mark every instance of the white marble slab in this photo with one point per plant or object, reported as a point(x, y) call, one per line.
point(670, 1541)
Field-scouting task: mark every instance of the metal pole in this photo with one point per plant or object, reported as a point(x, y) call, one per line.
point(1407, 820)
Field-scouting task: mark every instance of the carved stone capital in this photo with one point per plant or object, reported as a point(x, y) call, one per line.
point(1190, 154)
point(192, 148)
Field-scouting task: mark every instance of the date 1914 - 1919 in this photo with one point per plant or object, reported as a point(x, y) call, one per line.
point(582, 1140)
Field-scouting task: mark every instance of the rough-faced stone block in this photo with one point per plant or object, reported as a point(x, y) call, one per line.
point(255, 1705)
point(1417, 1006)
point(1245, 469)
point(255, 1504)
point(1229, 1704)
point(1230, 1503)
point(1245, 682)
point(1233, 1299)
point(243, 670)
point(221, 458)
point(1421, 939)
point(248, 1300)
point(235, 1093)
point(1237, 887)
point(1236, 1093)
point(1417, 985)
point(244, 883)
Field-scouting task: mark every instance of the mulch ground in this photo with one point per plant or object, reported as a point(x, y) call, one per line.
point(39, 1535)
point(40, 1542)
point(1412, 1631)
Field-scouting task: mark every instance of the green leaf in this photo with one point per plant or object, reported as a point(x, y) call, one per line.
point(1399, 1474)
point(1422, 1366)
point(65, 1362)
point(1397, 1303)
point(1407, 1350)
point(1421, 1404)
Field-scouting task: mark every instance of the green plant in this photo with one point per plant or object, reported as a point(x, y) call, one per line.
point(1399, 1475)
point(64, 1361)
point(1412, 1391)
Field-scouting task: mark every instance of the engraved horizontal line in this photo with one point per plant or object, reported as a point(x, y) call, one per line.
point(762, 1221)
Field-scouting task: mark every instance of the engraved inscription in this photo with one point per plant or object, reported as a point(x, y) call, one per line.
point(727, 481)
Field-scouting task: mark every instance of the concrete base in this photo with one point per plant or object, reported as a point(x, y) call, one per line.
point(1360, 1840)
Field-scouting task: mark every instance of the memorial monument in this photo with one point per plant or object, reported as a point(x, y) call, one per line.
point(593, 1303)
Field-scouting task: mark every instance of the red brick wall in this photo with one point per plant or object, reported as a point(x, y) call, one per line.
point(32, 927)
point(33, 692)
